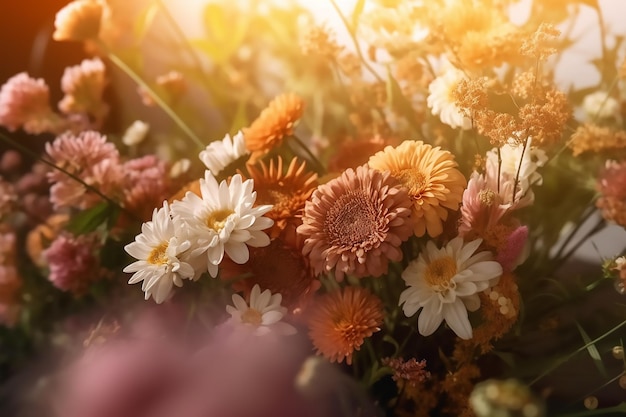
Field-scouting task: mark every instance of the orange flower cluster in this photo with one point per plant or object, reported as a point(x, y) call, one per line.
point(341, 320)
point(318, 42)
point(541, 43)
point(285, 191)
point(543, 118)
point(476, 34)
point(590, 137)
point(275, 122)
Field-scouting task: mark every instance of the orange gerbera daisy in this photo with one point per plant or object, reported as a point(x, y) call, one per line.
point(275, 122)
point(280, 268)
point(431, 176)
point(286, 192)
point(340, 321)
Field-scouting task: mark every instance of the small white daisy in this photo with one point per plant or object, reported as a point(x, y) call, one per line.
point(135, 133)
point(445, 283)
point(263, 315)
point(600, 105)
point(220, 153)
point(223, 220)
point(441, 101)
point(158, 250)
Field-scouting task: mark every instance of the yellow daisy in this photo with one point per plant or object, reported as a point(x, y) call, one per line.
point(434, 183)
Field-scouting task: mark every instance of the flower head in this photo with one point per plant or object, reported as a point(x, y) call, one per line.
point(431, 177)
point(223, 220)
point(482, 208)
point(73, 262)
point(280, 268)
point(445, 283)
point(159, 253)
point(146, 184)
point(263, 314)
point(340, 322)
point(356, 223)
point(78, 21)
point(90, 157)
point(83, 86)
point(515, 166)
point(24, 102)
point(441, 99)
point(135, 133)
point(612, 188)
point(220, 153)
point(287, 192)
point(275, 122)
point(600, 105)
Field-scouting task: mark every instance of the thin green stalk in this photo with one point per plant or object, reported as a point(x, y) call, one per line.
point(158, 100)
point(519, 169)
point(557, 363)
point(313, 159)
point(621, 408)
point(357, 47)
point(11, 142)
point(606, 384)
point(187, 45)
point(570, 236)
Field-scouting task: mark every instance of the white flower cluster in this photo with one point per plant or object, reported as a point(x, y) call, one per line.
point(191, 237)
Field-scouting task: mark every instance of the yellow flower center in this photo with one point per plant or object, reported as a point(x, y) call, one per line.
point(158, 256)
point(252, 316)
point(487, 197)
point(440, 273)
point(414, 180)
point(217, 219)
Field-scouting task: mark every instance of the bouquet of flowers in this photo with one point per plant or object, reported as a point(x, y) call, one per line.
point(386, 225)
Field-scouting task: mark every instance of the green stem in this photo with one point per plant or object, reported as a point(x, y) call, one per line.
point(51, 164)
point(158, 100)
point(557, 363)
point(357, 47)
point(621, 408)
point(313, 159)
point(188, 47)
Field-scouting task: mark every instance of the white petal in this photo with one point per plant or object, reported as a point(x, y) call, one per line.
point(237, 252)
point(430, 318)
point(455, 315)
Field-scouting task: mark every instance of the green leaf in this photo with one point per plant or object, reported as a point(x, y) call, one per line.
point(240, 120)
point(356, 13)
point(89, 220)
point(144, 21)
point(387, 338)
point(398, 102)
point(225, 34)
point(593, 351)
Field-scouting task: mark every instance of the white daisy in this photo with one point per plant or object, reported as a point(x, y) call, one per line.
point(136, 133)
point(263, 315)
point(158, 250)
point(441, 99)
point(511, 158)
point(223, 220)
point(219, 154)
point(600, 105)
point(445, 283)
